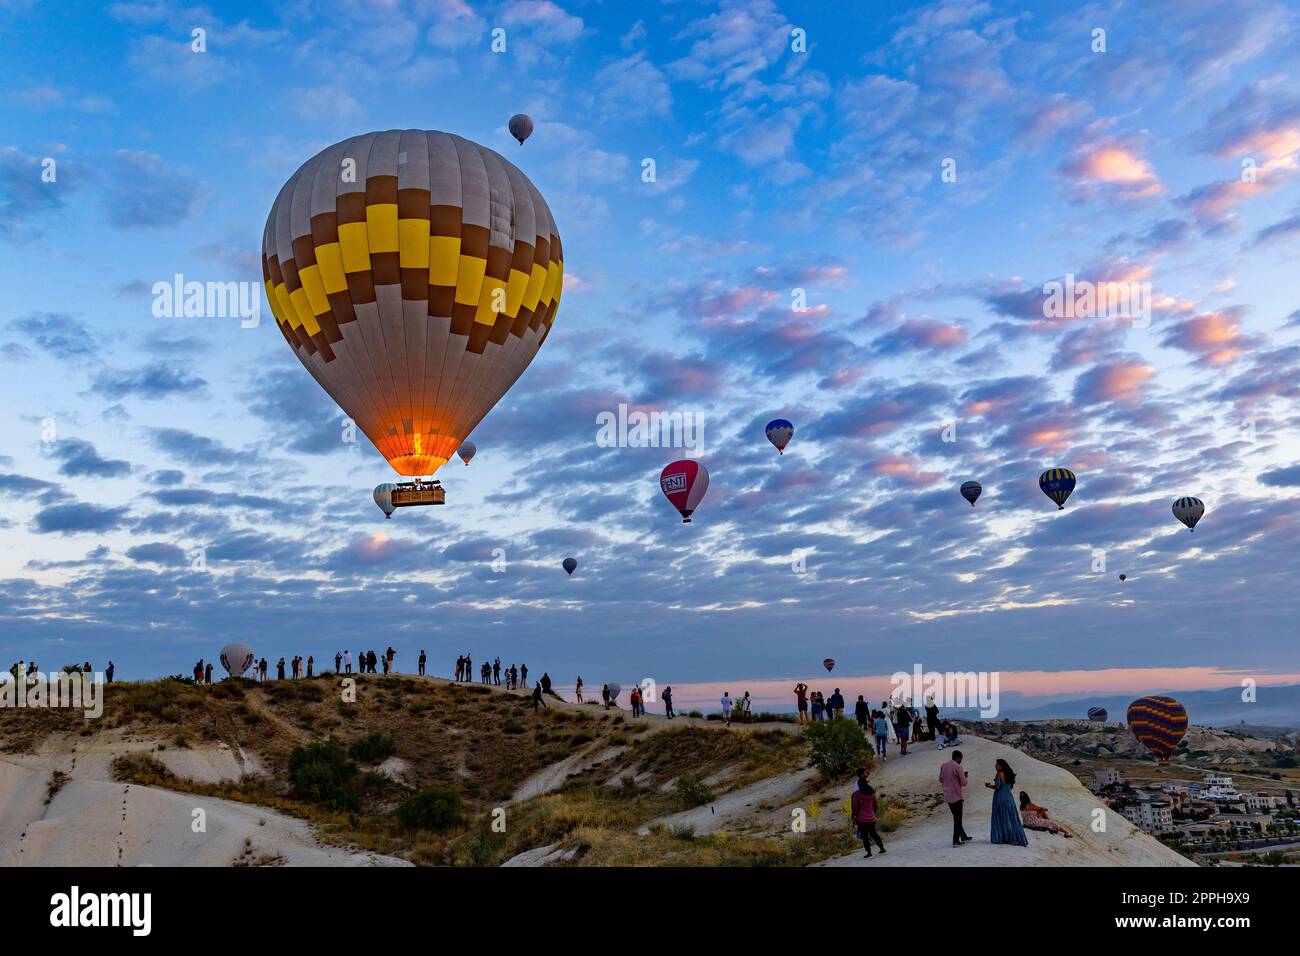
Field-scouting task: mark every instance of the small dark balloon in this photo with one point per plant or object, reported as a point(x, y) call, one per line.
point(521, 127)
point(569, 564)
point(1123, 577)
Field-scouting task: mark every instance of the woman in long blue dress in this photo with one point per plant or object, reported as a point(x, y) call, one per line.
point(1006, 819)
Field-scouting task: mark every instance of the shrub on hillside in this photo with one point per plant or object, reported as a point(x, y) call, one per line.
point(373, 747)
point(838, 747)
point(433, 808)
point(321, 773)
point(692, 791)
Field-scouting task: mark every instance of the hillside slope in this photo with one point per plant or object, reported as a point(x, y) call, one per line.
point(570, 785)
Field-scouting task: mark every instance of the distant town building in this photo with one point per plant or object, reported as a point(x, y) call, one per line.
point(1106, 777)
point(1150, 814)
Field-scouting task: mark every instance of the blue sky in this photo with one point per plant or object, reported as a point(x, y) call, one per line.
point(131, 441)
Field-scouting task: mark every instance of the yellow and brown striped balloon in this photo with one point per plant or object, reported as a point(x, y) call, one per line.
point(415, 274)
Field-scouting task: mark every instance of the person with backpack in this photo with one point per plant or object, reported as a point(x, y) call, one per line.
point(903, 727)
point(860, 713)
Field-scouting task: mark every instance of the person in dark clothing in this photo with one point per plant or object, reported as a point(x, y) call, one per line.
point(496, 672)
point(279, 669)
point(338, 662)
point(545, 682)
point(861, 712)
point(207, 673)
point(523, 675)
point(931, 720)
point(668, 702)
point(537, 697)
point(422, 660)
point(311, 664)
point(109, 673)
point(604, 696)
point(371, 660)
point(469, 668)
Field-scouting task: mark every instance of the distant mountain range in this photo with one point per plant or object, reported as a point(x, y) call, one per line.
point(1275, 706)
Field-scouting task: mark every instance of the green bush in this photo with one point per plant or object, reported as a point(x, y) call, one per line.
point(373, 747)
point(692, 791)
point(321, 773)
point(434, 808)
point(838, 747)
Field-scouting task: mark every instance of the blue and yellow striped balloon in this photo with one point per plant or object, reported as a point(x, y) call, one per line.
point(1057, 483)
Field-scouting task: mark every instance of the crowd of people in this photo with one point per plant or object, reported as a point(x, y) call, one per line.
point(23, 668)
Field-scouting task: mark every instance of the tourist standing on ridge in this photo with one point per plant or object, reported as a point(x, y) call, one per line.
point(954, 780)
point(311, 664)
point(837, 703)
point(880, 727)
point(860, 714)
point(523, 675)
point(423, 658)
point(537, 698)
point(801, 701)
point(668, 702)
point(863, 806)
point(746, 705)
point(604, 695)
point(577, 689)
point(109, 673)
point(903, 727)
point(496, 672)
point(932, 718)
point(726, 708)
point(1005, 825)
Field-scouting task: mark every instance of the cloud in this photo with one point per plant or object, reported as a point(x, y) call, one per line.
point(80, 459)
point(77, 518)
point(157, 552)
point(1215, 338)
point(152, 381)
point(1110, 169)
point(1282, 477)
point(26, 200)
point(634, 86)
point(1121, 380)
point(57, 334)
point(142, 192)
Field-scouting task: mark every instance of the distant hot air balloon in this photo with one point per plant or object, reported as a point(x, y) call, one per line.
point(569, 564)
point(384, 498)
point(1159, 722)
point(1123, 577)
point(684, 484)
point(1098, 714)
point(779, 433)
point(236, 658)
point(970, 490)
point(1189, 511)
point(1057, 483)
point(521, 127)
point(415, 274)
point(467, 451)
point(614, 691)
point(829, 664)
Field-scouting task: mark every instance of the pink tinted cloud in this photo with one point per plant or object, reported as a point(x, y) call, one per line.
point(1214, 337)
point(1118, 381)
point(1111, 168)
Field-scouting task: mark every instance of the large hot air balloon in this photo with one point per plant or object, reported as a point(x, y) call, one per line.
point(467, 451)
point(415, 274)
point(1097, 714)
point(829, 664)
point(614, 691)
point(684, 484)
point(1057, 483)
point(1159, 722)
point(970, 490)
point(236, 658)
point(384, 498)
point(779, 432)
point(1189, 511)
point(569, 564)
point(521, 127)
